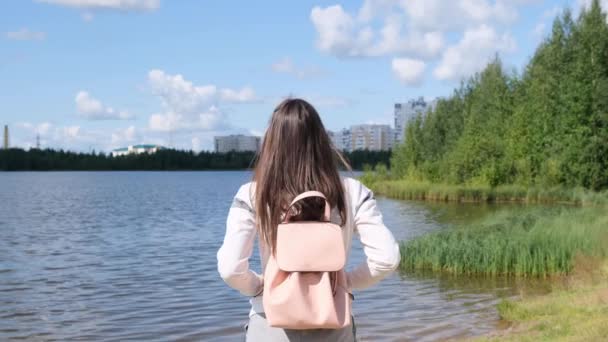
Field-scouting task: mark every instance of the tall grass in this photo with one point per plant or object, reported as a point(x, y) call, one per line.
point(420, 190)
point(529, 242)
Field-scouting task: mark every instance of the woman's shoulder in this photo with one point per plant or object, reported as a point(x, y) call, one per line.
point(354, 188)
point(356, 192)
point(245, 192)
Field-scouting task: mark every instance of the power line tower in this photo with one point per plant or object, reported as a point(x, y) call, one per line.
point(37, 141)
point(5, 137)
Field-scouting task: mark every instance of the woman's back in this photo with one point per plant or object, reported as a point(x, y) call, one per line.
point(297, 156)
point(362, 214)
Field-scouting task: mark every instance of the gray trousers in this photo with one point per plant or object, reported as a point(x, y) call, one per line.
point(258, 330)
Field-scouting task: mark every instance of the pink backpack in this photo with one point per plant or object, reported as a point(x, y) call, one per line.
point(304, 281)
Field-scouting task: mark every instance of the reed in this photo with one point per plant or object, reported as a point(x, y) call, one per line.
point(539, 242)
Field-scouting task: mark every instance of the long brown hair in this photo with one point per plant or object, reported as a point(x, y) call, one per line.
point(297, 155)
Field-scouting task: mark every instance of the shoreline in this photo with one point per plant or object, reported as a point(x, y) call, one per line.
point(575, 309)
point(503, 194)
point(577, 305)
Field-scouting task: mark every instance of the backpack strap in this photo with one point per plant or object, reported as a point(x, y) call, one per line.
point(308, 194)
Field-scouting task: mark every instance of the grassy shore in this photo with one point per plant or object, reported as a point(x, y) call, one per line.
point(416, 190)
point(576, 310)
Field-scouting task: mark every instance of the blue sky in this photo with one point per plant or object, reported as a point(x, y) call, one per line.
point(101, 74)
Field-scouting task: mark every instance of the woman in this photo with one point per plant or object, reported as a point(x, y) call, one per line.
point(296, 156)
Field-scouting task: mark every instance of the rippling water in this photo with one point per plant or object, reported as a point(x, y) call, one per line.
point(131, 256)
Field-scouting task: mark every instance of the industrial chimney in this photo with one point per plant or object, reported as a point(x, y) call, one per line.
point(5, 145)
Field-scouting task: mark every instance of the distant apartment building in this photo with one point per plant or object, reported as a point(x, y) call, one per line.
point(237, 143)
point(135, 149)
point(376, 137)
point(342, 139)
point(404, 112)
point(371, 137)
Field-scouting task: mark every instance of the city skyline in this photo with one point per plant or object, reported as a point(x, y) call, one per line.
point(101, 75)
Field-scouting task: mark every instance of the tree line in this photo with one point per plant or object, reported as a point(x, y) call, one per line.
point(547, 126)
point(15, 159)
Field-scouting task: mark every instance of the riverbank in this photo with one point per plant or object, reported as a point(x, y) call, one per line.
point(576, 310)
point(426, 191)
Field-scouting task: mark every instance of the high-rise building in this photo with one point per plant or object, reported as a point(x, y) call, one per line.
point(371, 137)
point(404, 112)
point(6, 142)
point(333, 136)
point(342, 139)
point(237, 143)
point(346, 140)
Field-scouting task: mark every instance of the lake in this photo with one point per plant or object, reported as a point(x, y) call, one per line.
point(115, 256)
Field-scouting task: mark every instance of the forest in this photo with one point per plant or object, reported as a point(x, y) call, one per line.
point(15, 159)
point(543, 127)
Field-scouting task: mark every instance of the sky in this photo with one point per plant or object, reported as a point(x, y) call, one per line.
point(101, 74)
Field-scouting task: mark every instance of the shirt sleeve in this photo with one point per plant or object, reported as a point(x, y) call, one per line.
point(379, 245)
point(233, 256)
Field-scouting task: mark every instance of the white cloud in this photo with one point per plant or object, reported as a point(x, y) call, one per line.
point(408, 71)
point(212, 118)
point(123, 5)
point(246, 94)
point(338, 33)
point(453, 15)
point(189, 107)
point(207, 120)
point(374, 8)
point(79, 138)
point(393, 41)
point(179, 94)
point(472, 52)
point(286, 66)
point(26, 34)
point(164, 122)
point(182, 95)
point(56, 136)
point(409, 28)
point(126, 136)
point(92, 109)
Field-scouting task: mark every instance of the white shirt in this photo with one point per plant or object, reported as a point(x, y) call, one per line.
point(363, 217)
